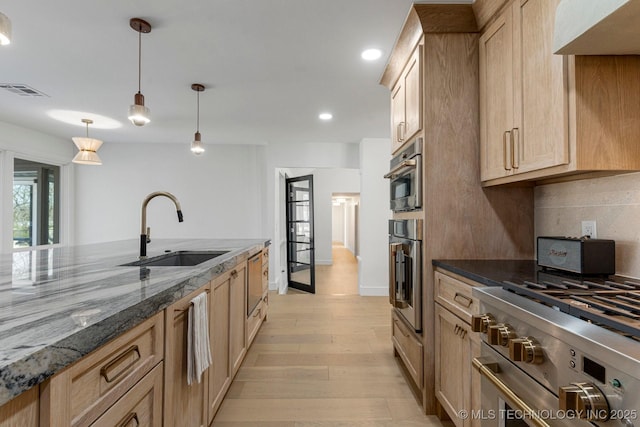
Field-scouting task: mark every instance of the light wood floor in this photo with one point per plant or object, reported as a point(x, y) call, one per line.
point(322, 361)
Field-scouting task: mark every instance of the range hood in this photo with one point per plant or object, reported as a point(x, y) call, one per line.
point(597, 27)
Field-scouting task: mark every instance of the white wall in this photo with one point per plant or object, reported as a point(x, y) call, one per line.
point(16, 141)
point(373, 266)
point(337, 223)
point(220, 192)
point(281, 156)
point(613, 202)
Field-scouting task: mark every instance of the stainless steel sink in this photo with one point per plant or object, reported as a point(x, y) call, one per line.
point(177, 259)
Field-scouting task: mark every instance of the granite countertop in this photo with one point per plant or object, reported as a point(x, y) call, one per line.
point(492, 272)
point(59, 304)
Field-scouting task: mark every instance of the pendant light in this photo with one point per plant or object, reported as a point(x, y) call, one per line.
point(5, 30)
point(88, 147)
point(138, 113)
point(196, 146)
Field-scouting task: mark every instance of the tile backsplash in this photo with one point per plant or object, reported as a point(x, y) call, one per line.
point(613, 202)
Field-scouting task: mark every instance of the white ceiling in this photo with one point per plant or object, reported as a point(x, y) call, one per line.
point(269, 67)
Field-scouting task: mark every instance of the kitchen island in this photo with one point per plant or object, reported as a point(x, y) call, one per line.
point(57, 305)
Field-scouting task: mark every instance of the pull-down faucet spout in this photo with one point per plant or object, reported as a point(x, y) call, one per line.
point(145, 232)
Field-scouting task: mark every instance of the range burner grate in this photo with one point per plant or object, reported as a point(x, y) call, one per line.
point(614, 305)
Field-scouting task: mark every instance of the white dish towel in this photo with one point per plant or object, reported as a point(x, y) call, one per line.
point(198, 352)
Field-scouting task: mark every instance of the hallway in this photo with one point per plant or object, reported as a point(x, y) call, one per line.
point(323, 361)
point(340, 278)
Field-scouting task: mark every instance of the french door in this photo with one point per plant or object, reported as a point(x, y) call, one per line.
point(300, 242)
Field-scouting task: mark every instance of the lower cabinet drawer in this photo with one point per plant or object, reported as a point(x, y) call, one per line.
point(78, 395)
point(139, 407)
point(255, 319)
point(408, 347)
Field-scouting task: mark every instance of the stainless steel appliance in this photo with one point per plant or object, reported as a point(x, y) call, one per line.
point(560, 350)
point(406, 178)
point(405, 269)
point(580, 255)
point(254, 282)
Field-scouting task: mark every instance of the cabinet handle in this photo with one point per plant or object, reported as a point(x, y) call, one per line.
point(258, 311)
point(106, 368)
point(265, 273)
point(466, 301)
point(131, 417)
point(400, 132)
point(515, 148)
point(505, 148)
point(234, 274)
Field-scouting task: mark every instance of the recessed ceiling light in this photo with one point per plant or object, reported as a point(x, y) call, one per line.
point(75, 118)
point(325, 116)
point(371, 54)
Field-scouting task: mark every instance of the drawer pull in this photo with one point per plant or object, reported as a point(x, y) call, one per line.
point(463, 300)
point(129, 419)
point(105, 371)
point(234, 274)
point(265, 273)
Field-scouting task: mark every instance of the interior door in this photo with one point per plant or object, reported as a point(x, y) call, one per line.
point(300, 242)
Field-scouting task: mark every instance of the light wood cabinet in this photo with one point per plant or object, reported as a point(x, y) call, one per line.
point(237, 316)
point(523, 104)
point(457, 384)
point(220, 372)
point(545, 115)
point(80, 394)
point(408, 346)
point(21, 411)
point(184, 405)
point(406, 102)
point(140, 406)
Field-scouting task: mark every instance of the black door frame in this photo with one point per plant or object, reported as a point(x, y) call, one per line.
point(292, 261)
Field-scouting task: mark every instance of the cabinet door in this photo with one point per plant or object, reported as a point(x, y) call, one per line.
point(496, 98)
point(397, 116)
point(413, 95)
point(237, 316)
point(184, 405)
point(21, 411)
point(453, 364)
point(220, 372)
point(541, 112)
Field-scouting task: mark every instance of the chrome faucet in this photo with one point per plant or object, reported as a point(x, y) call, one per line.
point(145, 232)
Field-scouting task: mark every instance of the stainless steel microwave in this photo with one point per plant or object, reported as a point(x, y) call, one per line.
point(405, 177)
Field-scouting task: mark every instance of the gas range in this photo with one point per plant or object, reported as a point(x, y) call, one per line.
point(563, 344)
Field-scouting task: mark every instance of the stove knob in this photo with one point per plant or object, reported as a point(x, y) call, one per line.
point(500, 334)
point(526, 349)
point(586, 400)
point(481, 322)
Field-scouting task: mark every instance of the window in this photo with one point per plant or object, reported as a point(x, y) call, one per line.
point(36, 203)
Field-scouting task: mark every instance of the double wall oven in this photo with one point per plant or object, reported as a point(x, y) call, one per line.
point(405, 235)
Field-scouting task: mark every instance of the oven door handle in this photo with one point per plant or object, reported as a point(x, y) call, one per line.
point(411, 163)
point(393, 249)
point(489, 370)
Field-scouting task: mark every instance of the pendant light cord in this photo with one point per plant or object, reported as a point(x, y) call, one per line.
point(198, 113)
point(87, 129)
point(139, 58)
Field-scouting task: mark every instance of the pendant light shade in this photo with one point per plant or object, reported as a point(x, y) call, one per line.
point(87, 148)
point(5, 29)
point(138, 113)
point(196, 146)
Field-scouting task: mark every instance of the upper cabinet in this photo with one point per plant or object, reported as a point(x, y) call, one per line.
point(523, 110)
point(406, 102)
point(544, 115)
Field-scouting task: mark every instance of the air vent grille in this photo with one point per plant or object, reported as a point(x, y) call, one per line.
point(22, 90)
